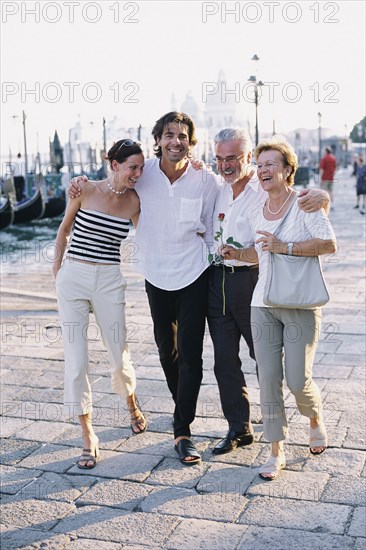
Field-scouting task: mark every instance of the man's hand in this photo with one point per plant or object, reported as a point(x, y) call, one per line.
point(74, 189)
point(312, 200)
point(198, 164)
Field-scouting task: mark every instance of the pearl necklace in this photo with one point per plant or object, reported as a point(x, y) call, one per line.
point(278, 211)
point(115, 190)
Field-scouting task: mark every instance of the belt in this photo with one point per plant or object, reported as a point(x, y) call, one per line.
point(235, 268)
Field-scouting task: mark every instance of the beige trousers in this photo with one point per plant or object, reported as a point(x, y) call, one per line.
point(79, 285)
point(294, 334)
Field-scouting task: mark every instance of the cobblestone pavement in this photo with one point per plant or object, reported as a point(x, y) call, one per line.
point(139, 495)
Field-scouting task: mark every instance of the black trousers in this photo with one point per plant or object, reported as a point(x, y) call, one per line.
point(226, 331)
point(179, 318)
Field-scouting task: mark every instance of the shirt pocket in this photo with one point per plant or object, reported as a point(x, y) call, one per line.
point(190, 210)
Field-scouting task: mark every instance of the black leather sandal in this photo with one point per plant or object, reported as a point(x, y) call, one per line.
point(186, 449)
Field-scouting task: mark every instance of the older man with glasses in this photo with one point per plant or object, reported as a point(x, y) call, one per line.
point(231, 282)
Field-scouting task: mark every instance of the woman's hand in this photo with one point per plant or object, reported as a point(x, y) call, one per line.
point(74, 190)
point(270, 243)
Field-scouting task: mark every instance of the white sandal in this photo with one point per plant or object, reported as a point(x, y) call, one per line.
point(318, 438)
point(273, 466)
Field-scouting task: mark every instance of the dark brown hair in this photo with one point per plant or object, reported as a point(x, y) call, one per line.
point(122, 149)
point(179, 118)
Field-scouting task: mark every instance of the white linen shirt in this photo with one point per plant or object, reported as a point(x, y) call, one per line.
point(299, 226)
point(236, 222)
point(169, 250)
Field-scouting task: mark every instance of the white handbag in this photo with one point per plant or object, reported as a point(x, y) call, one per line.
point(294, 282)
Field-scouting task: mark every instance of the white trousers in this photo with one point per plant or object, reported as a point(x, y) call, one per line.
point(79, 285)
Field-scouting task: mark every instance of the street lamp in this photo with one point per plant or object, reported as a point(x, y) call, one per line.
point(320, 139)
point(253, 80)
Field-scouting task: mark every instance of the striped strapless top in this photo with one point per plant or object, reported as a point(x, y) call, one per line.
point(97, 237)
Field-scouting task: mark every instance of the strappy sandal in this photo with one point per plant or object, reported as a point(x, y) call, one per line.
point(318, 438)
point(273, 466)
point(186, 449)
point(137, 418)
point(88, 455)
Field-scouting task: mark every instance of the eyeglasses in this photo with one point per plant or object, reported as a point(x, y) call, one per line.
point(228, 160)
point(127, 143)
point(269, 165)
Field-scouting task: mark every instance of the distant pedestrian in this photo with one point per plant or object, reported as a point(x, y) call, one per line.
point(328, 166)
point(361, 184)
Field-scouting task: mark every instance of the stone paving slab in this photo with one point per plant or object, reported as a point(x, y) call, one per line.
point(112, 524)
point(20, 512)
point(64, 488)
point(9, 426)
point(32, 539)
point(115, 493)
point(14, 479)
point(291, 485)
point(358, 523)
point(337, 462)
point(242, 456)
point(356, 437)
point(225, 478)
point(109, 438)
point(127, 466)
point(89, 544)
point(346, 490)
point(12, 451)
point(40, 431)
point(307, 515)
point(270, 538)
point(205, 535)
point(171, 472)
point(188, 503)
point(51, 458)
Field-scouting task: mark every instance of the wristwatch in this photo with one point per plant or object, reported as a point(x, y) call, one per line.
point(289, 248)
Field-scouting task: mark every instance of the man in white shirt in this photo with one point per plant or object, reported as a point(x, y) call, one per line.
point(232, 282)
point(173, 231)
point(172, 236)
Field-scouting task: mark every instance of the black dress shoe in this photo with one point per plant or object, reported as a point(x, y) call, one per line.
point(232, 441)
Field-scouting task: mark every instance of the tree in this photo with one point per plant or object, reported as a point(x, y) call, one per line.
point(358, 134)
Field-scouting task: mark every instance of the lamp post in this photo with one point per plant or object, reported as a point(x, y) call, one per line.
point(253, 80)
point(320, 139)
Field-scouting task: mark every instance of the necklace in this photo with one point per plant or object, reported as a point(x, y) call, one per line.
point(115, 190)
point(278, 211)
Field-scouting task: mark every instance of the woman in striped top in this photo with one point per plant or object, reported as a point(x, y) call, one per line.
point(91, 275)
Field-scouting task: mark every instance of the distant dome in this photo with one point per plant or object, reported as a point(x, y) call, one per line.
point(190, 106)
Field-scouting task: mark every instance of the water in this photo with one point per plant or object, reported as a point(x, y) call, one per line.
point(32, 240)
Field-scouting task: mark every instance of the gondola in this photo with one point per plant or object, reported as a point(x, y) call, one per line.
point(55, 206)
point(29, 209)
point(6, 212)
point(54, 196)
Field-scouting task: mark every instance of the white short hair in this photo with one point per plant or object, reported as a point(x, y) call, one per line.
point(230, 134)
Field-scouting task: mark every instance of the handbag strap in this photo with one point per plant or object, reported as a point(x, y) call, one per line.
point(292, 202)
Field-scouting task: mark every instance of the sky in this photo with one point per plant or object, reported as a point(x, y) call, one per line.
point(68, 59)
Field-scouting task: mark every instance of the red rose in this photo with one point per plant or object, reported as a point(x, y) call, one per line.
point(221, 217)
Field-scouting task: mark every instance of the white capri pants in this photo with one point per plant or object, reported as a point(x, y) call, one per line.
point(296, 332)
point(103, 286)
